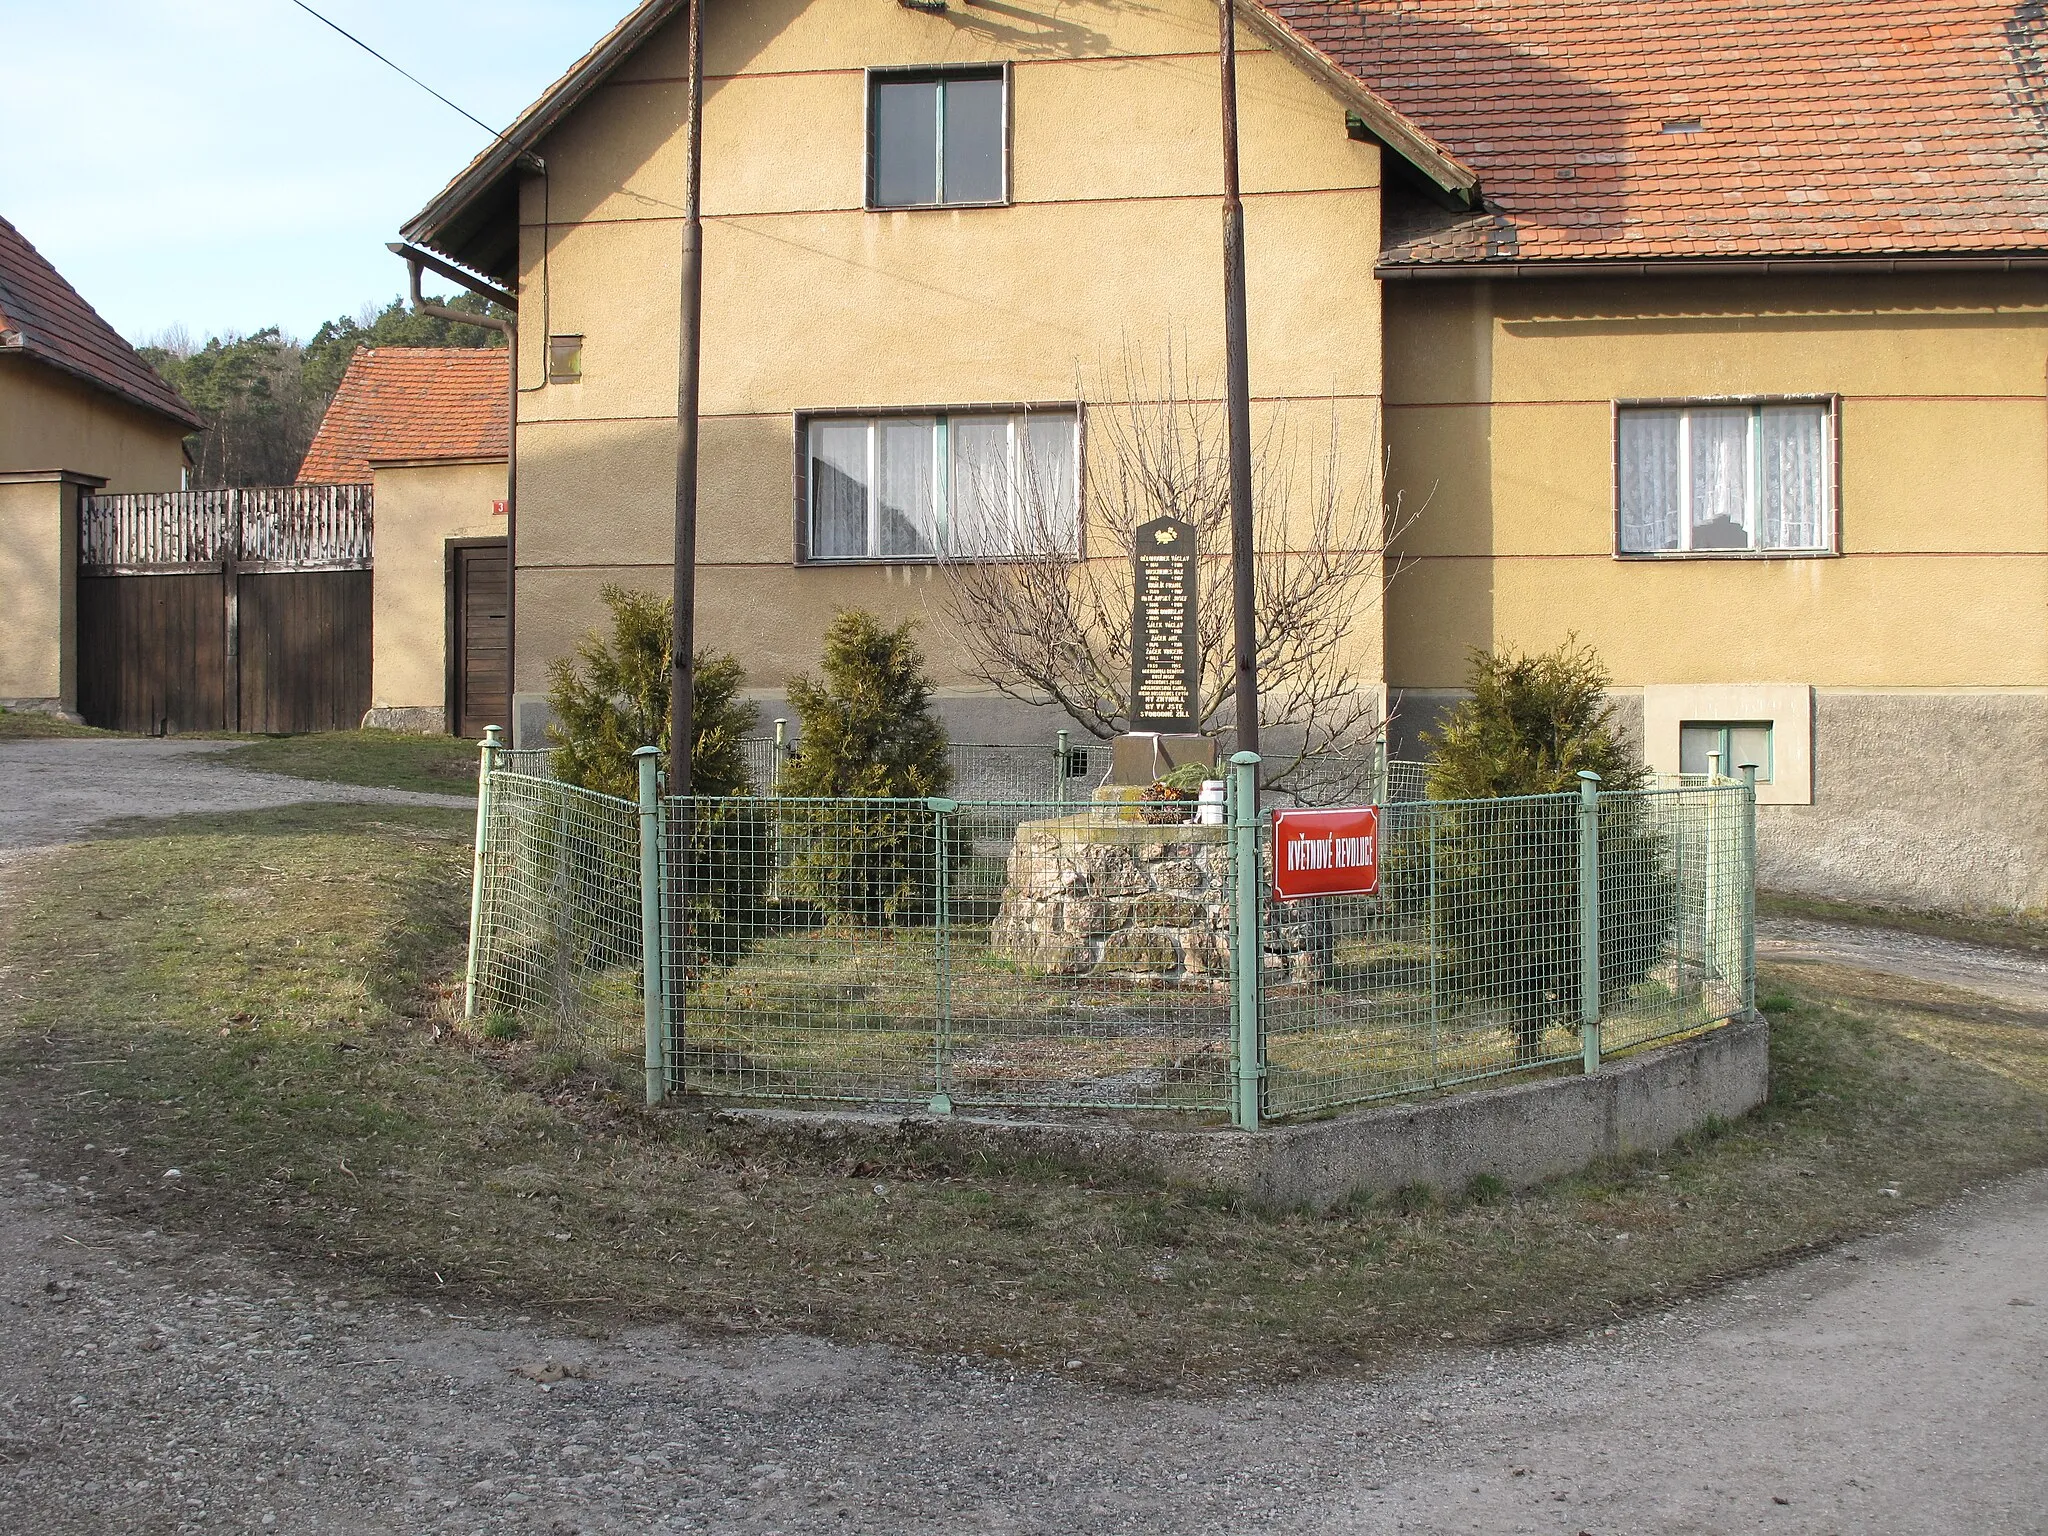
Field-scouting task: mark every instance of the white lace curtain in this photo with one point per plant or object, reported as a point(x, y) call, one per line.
point(1723, 478)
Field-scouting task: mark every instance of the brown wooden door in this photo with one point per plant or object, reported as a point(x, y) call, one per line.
point(483, 687)
point(305, 650)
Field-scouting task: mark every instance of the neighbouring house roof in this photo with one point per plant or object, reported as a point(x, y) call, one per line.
point(1598, 131)
point(410, 403)
point(43, 317)
point(1714, 128)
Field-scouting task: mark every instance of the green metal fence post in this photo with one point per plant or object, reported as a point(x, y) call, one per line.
point(1435, 1005)
point(1247, 939)
point(1711, 958)
point(1059, 770)
point(653, 1003)
point(1749, 885)
point(942, 1031)
point(1589, 918)
point(487, 765)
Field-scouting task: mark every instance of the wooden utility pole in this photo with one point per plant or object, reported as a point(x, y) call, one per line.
point(683, 643)
point(1238, 409)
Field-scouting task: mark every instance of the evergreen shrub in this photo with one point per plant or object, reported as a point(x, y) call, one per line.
point(612, 697)
point(1507, 872)
point(868, 732)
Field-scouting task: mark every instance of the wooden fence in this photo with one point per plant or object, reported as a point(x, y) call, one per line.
point(238, 609)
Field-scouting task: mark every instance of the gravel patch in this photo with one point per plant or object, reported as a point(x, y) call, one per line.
point(148, 1384)
point(57, 790)
point(2012, 976)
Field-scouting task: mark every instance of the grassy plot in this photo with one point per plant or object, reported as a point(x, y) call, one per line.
point(846, 1010)
point(33, 724)
point(263, 1003)
point(380, 759)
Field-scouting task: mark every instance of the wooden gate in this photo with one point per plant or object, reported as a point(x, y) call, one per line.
point(239, 610)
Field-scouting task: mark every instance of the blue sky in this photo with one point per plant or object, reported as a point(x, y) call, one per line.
point(232, 164)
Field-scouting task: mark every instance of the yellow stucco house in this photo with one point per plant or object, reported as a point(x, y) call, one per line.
point(79, 411)
point(1715, 333)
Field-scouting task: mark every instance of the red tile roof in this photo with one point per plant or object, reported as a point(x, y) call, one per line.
point(43, 317)
point(1824, 127)
point(410, 403)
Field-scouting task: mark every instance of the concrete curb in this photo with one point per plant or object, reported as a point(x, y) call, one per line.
point(1521, 1134)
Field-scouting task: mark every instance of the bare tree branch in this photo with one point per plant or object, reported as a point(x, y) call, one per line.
point(1049, 621)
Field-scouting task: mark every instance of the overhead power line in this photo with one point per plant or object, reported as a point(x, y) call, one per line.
point(415, 79)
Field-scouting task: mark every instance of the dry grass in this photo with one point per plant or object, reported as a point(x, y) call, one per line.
point(381, 759)
point(2010, 930)
point(263, 1003)
point(34, 725)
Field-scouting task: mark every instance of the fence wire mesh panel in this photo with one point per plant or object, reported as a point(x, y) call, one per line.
point(557, 944)
point(976, 954)
point(533, 762)
point(1065, 953)
point(1031, 771)
point(1683, 856)
point(1468, 963)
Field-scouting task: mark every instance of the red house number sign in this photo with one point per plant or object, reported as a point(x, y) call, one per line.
point(1326, 853)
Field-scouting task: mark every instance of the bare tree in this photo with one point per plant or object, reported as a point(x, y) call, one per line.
point(1048, 620)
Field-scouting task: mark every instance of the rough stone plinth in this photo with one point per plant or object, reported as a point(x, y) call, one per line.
point(1086, 895)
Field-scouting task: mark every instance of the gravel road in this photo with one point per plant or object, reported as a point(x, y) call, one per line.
point(152, 1384)
point(1895, 1385)
point(2010, 975)
point(53, 791)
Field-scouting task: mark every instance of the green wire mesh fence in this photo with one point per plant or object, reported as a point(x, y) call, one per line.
point(1469, 963)
point(973, 954)
point(1057, 953)
point(555, 943)
point(1063, 772)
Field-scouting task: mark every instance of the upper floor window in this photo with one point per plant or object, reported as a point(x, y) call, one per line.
point(937, 138)
point(1725, 478)
point(916, 487)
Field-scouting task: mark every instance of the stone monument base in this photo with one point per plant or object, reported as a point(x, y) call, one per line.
point(1141, 757)
point(1086, 896)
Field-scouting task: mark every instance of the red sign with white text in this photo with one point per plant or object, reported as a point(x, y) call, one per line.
point(1326, 853)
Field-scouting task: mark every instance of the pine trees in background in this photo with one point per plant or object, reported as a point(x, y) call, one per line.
point(262, 395)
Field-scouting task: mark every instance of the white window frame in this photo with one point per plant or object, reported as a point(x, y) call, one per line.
point(941, 418)
point(1831, 475)
point(1787, 708)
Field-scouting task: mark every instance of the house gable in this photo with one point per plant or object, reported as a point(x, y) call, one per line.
point(470, 220)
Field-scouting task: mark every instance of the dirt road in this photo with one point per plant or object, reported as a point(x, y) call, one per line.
point(1897, 1385)
point(54, 791)
point(151, 1385)
point(2011, 975)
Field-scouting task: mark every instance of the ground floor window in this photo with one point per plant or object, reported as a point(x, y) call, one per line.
point(1724, 478)
point(1737, 742)
point(921, 487)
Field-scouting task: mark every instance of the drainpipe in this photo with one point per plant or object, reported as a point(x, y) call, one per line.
point(508, 327)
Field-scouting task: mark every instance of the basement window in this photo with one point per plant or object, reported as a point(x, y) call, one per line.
point(565, 359)
point(976, 485)
point(1725, 477)
point(938, 138)
point(1737, 741)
